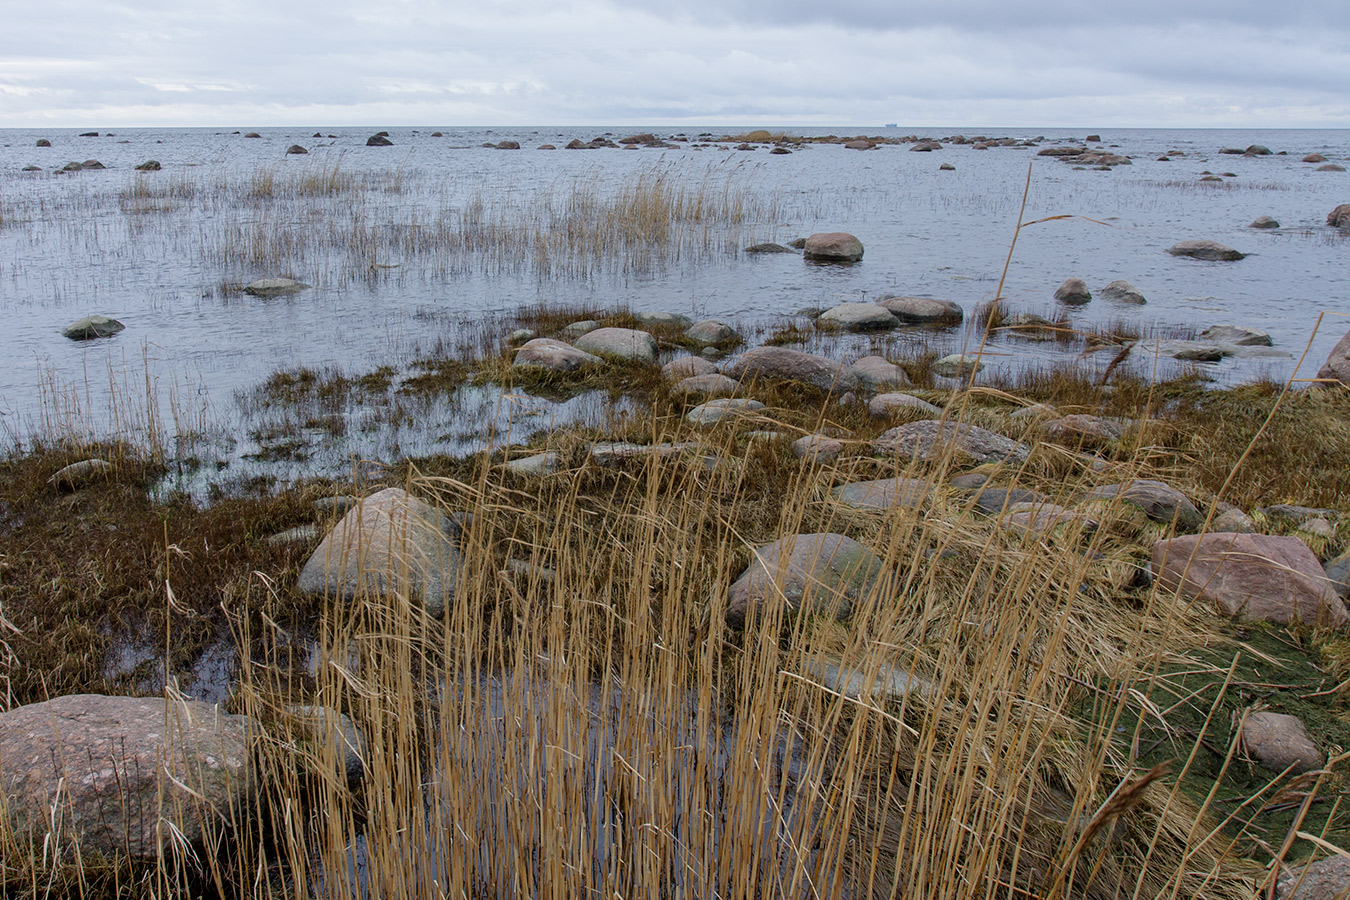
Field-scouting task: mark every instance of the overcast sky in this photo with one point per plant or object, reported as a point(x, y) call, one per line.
point(1082, 63)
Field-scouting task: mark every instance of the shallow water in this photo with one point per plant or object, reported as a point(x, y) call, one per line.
point(165, 253)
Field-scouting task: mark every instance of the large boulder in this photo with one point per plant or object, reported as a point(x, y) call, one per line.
point(1340, 216)
point(623, 343)
point(390, 543)
point(1205, 250)
point(1160, 501)
point(547, 353)
point(923, 310)
point(124, 775)
point(857, 317)
point(833, 246)
point(874, 373)
point(1121, 291)
point(790, 365)
point(275, 287)
point(1237, 335)
point(1337, 366)
point(930, 439)
point(811, 573)
point(379, 140)
point(1258, 576)
point(91, 327)
point(1073, 291)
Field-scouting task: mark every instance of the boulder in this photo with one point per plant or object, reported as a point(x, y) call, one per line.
point(884, 493)
point(833, 246)
point(1123, 292)
point(520, 336)
point(1325, 879)
point(1040, 518)
point(1340, 216)
point(1289, 512)
point(656, 318)
point(507, 145)
point(1280, 743)
point(1314, 158)
point(711, 332)
point(379, 140)
point(392, 543)
point(874, 373)
point(857, 317)
point(614, 453)
point(859, 145)
point(1160, 501)
point(810, 573)
point(790, 365)
point(622, 343)
point(573, 330)
point(296, 150)
point(327, 728)
point(92, 164)
point(946, 167)
point(547, 353)
point(535, 466)
point(1082, 429)
point(687, 367)
point(768, 248)
point(884, 405)
point(275, 287)
point(546, 147)
point(994, 501)
point(1331, 167)
point(43, 142)
point(644, 138)
point(925, 147)
point(923, 310)
point(91, 327)
point(931, 439)
point(1236, 335)
point(817, 447)
point(715, 411)
point(1337, 366)
point(1264, 222)
point(1338, 573)
point(81, 474)
point(957, 365)
point(150, 165)
point(1256, 150)
point(711, 385)
point(1205, 250)
point(1073, 291)
point(1257, 576)
point(1228, 517)
point(121, 775)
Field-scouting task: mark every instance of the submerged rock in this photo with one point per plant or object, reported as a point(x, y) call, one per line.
point(957, 365)
point(1123, 292)
point(91, 327)
point(1264, 222)
point(1236, 335)
point(1073, 291)
point(1211, 250)
point(275, 287)
point(768, 248)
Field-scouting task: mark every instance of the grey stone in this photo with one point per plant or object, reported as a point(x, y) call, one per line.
point(275, 287)
point(817, 447)
point(1288, 512)
point(334, 733)
point(1082, 429)
point(931, 439)
point(1338, 573)
point(710, 332)
point(957, 365)
point(1121, 291)
point(1228, 517)
point(810, 573)
point(884, 493)
point(91, 327)
point(392, 543)
point(857, 317)
point(521, 336)
point(622, 343)
point(876, 372)
point(1340, 216)
point(1074, 291)
point(300, 534)
point(1325, 879)
point(715, 411)
point(613, 453)
point(546, 353)
point(687, 367)
point(993, 501)
point(118, 775)
point(662, 319)
point(711, 385)
point(1159, 501)
point(1211, 250)
point(81, 474)
point(1280, 742)
point(1264, 222)
point(1040, 518)
point(768, 248)
point(890, 684)
point(1236, 335)
point(884, 405)
point(535, 466)
point(573, 330)
point(834, 246)
point(1337, 366)
point(923, 310)
point(790, 365)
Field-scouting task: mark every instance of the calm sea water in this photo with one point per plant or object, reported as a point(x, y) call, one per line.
point(165, 253)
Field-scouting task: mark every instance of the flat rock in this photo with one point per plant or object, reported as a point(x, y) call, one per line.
point(833, 246)
point(875, 373)
point(81, 474)
point(1040, 518)
point(710, 385)
point(613, 453)
point(1289, 512)
point(1159, 501)
point(1257, 576)
point(817, 447)
point(622, 343)
point(768, 248)
point(857, 317)
point(883, 405)
point(810, 573)
point(1073, 291)
point(1337, 366)
point(884, 493)
point(91, 327)
point(923, 310)
point(993, 501)
point(390, 543)
point(930, 439)
point(662, 319)
point(687, 367)
point(790, 365)
point(711, 332)
point(535, 466)
point(1280, 742)
point(1121, 291)
point(1205, 250)
point(109, 770)
point(1236, 335)
point(547, 353)
point(957, 365)
point(275, 287)
point(715, 411)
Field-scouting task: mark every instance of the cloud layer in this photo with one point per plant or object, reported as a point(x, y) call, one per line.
point(805, 62)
